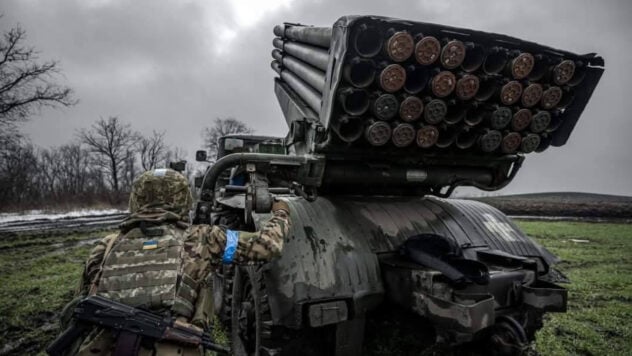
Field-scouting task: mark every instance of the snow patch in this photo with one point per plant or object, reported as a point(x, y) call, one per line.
point(41, 215)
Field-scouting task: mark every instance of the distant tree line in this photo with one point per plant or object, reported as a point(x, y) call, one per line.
point(97, 167)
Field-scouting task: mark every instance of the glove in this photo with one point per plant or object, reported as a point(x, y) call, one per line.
point(280, 205)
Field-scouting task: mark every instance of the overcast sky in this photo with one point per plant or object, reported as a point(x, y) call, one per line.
point(177, 65)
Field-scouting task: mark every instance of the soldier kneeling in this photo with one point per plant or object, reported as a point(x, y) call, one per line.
point(159, 262)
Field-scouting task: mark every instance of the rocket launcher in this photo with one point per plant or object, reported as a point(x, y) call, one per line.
point(378, 97)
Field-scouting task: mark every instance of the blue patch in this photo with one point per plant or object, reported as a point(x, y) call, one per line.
point(232, 238)
point(150, 245)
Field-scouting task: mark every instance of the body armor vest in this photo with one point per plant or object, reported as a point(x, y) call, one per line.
point(145, 268)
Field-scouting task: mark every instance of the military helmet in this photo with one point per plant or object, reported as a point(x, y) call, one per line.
point(164, 188)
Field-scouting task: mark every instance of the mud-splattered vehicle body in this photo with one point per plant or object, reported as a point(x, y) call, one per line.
point(371, 222)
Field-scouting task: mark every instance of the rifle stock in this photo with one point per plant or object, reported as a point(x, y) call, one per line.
point(106, 313)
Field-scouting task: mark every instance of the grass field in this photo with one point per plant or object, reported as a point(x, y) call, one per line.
point(39, 275)
point(599, 317)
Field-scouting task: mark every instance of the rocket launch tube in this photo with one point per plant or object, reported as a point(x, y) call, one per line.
point(354, 101)
point(307, 93)
point(349, 128)
point(360, 72)
point(315, 56)
point(309, 74)
point(466, 138)
point(317, 36)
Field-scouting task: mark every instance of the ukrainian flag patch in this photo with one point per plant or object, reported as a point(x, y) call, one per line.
point(150, 245)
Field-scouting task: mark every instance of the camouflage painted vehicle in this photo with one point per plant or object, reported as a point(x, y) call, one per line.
point(386, 118)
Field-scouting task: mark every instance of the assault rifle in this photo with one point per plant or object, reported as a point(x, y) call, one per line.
point(130, 323)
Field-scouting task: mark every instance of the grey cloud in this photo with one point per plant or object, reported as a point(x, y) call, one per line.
point(158, 65)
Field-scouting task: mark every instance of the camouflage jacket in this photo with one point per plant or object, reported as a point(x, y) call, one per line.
point(205, 245)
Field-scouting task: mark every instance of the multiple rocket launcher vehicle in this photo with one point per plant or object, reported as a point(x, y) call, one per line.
point(386, 118)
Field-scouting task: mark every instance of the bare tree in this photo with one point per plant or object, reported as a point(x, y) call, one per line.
point(18, 170)
point(27, 85)
point(74, 169)
point(152, 150)
point(222, 127)
point(10, 136)
point(129, 170)
point(111, 142)
point(49, 171)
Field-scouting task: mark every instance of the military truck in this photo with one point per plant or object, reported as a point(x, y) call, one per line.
point(386, 118)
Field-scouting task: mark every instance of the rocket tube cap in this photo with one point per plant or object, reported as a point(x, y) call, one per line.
point(385, 106)
point(467, 87)
point(511, 142)
point(435, 111)
point(551, 97)
point(510, 93)
point(540, 121)
point(563, 72)
point(411, 108)
point(452, 54)
point(443, 84)
point(427, 50)
point(530, 143)
point(378, 133)
point(427, 136)
point(522, 65)
point(490, 141)
point(403, 135)
point(521, 120)
point(531, 95)
point(400, 46)
point(392, 78)
point(500, 118)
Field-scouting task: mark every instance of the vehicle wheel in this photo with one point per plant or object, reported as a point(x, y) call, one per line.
point(250, 313)
point(507, 337)
point(223, 293)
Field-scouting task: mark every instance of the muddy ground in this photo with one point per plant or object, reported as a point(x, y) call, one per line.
point(40, 272)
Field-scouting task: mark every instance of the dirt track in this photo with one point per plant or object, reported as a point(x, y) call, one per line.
point(84, 223)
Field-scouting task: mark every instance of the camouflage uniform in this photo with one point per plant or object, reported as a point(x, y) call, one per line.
point(158, 261)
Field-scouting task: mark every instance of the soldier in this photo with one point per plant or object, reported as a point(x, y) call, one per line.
point(159, 262)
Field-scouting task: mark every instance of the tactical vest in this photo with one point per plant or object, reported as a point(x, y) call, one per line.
point(148, 271)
